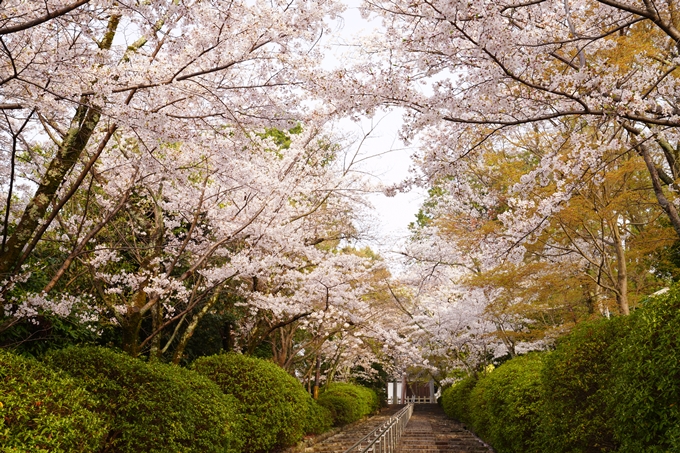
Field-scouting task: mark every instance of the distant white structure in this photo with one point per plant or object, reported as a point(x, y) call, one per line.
point(414, 392)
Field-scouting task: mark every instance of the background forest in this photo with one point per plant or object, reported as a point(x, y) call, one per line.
point(174, 189)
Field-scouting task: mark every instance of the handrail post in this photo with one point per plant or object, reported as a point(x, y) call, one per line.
point(384, 438)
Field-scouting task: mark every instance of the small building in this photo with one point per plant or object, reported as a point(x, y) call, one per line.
point(411, 392)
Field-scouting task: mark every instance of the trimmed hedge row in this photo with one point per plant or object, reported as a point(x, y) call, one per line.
point(505, 404)
point(456, 399)
point(576, 388)
point(645, 396)
point(348, 403)
point(609, 386)
point(45, 411)
point(153, 407)
point(273, 404)
point(319, 418)
point(92, 400)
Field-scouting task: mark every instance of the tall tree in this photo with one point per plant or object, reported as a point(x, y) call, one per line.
point(469, 72)
point(79, 72)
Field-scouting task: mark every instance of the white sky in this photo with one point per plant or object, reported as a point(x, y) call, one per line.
point(387, 159)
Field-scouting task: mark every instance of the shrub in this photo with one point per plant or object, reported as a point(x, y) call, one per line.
point(455, 400)
point(319, 419)
point(645, 395)
point(273, 403)
point(504, 404)
point(574, 415)
point(375, 378)
point(42, 410)
point(610, 385)
point(155, 407)
point(348, 403)
point(342, 407)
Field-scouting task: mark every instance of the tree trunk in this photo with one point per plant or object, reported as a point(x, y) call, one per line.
point(666, 205)
point(156, 322)
point(282, 346)
point(621, 274)
point(227, 336)
point(82, 127)
point(189, 332)
point(317, 378)
point(132, 324)
point(84, 123)
point(131, 327)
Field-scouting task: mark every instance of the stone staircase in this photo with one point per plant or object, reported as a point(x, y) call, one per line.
point(430, 430)
point(352, 433)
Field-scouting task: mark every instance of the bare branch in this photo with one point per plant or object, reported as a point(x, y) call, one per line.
point(42, 19)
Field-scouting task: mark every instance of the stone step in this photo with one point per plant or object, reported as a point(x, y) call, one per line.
point(352, 433)
point(428, 431)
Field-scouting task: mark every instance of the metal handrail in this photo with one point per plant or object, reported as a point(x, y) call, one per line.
point(385, 436)
point(419, 399)
point(414, 399)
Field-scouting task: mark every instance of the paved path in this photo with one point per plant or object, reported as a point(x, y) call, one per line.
point(348, 437)
point(428, 431)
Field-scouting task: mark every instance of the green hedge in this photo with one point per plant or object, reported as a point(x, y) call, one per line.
point(611, 385)
point(274, 404)
point(45, 411)
point(456, 399)
point(576, 380)
point(348, 403)
point(506, 403)
point(342, 407)
point(645, 396)
point(154, 408)
point(319, 419)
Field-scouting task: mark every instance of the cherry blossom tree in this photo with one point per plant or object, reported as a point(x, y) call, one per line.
point(452, 327)
point(594, 81)
point(82, 74)
point(137, 138)
point(472, 73)
point(248, 211)
point(594, 254)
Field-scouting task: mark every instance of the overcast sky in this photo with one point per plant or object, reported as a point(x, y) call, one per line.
point(387, 158)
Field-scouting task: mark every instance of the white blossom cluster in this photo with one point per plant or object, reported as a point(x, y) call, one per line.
point(31, 306)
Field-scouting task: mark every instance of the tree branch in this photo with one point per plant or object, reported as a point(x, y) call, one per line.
point(42, 19)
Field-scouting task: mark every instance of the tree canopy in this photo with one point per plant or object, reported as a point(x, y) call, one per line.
point(172, 185)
